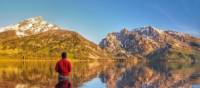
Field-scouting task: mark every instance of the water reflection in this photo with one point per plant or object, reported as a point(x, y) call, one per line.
point(42, 74)
point(27, 73)
point(106, 74)
point(154, 75)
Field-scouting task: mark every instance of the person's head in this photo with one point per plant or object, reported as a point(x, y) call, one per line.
point(64, 55)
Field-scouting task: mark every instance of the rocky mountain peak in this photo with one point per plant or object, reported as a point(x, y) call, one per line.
point(149, 31)
point(31, 26)
point(36, 19)
point(124, 31)
point(143, 40)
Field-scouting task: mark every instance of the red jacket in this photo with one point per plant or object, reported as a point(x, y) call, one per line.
point(63, 67)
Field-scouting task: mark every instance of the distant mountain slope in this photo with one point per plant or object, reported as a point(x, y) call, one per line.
point(146, 40)
point(47, 43)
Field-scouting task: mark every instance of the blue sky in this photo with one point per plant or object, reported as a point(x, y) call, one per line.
point(95, 18)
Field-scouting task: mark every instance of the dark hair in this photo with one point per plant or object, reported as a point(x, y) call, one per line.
point(64, 55)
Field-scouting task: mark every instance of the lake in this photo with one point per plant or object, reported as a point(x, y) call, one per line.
point(101, 74)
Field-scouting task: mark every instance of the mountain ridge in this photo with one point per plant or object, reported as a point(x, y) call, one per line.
point(146, 40)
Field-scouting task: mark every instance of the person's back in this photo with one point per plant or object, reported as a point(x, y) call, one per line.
point(63, 67)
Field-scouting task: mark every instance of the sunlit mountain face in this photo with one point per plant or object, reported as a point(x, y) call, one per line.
point(35, 37)
point(152, 43)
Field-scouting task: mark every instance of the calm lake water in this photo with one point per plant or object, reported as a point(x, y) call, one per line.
point(101, 74)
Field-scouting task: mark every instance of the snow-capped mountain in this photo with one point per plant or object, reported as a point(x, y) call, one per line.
point(143, 41)
point(35, 38)
point(30, 26)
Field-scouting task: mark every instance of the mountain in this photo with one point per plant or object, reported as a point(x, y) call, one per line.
point(35, 38)
point(30, 26)
point(149, 41)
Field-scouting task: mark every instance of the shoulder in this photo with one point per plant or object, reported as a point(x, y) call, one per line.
point(59, 61)
point(68, 61)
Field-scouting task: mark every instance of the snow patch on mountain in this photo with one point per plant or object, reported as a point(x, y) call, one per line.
point(30, 26)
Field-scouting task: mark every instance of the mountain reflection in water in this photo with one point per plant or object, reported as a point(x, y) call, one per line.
point(101, 74)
